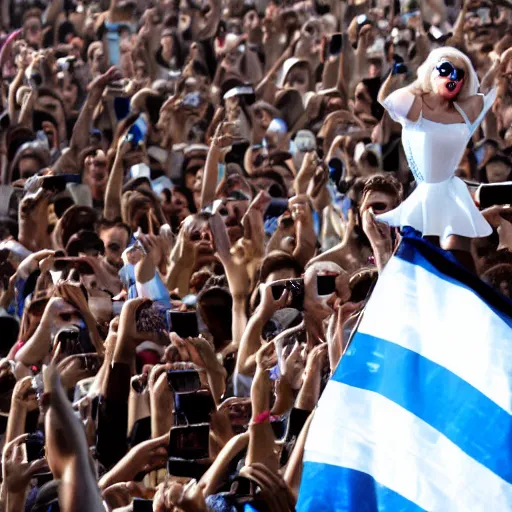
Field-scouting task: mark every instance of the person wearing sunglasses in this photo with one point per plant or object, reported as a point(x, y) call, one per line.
point(439, 114)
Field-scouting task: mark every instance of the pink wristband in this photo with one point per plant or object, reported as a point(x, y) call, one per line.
point(262, 418)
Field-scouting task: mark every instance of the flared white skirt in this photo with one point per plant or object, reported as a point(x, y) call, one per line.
point(440, 209)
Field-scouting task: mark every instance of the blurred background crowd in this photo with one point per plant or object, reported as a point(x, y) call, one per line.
point(187, 200)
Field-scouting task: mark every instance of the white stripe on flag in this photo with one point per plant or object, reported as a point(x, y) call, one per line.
point(444, 322)
point(364, 431)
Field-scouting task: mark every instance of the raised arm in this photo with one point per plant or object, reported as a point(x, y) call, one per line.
point(457, 38)
point(114, 190)
point(52, 12)
point(80, 136)
point(220, 145)
point(68, 452)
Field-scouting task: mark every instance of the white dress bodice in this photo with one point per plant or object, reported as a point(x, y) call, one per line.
point(434, 150)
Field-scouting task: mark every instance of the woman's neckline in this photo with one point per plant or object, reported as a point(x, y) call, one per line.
point(455, 105)
point(423, 118)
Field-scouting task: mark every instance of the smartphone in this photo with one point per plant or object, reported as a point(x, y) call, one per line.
point(305, 141)
point(82, 266)
point(142, 505)
point(183, 381)
point(194, 407)
point(137, 132)
point(494, 193)
point(186, 468)
point(183, 323)
point(435, 32)
point(192, 99)
point(149, 317)
point(278, 427)
point(92, 363)
point(190, 442)
point(484, 14)
point(295, 287)
point(362, 19)
point(335, 44)
point(399, 68)
point(326, 285)
point(35, 446)
point(74, 341)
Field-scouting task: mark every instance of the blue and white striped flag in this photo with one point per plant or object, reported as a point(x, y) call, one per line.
point(418, 413)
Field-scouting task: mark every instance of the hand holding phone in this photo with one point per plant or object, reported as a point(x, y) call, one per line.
point(296, 289)
point(81, 265)
point(399, 68)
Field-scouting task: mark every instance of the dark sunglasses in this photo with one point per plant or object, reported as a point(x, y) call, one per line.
point(447, 69)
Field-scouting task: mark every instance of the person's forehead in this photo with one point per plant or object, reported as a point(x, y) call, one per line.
point(31, 20)
point(374, 196)
point(115, 232)
point(46, 99)
point(196, 224)
point(27, 161)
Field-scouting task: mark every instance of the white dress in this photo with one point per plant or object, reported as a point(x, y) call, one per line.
point(441, 204)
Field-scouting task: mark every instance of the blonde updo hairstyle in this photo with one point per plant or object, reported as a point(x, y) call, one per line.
point(423, 84)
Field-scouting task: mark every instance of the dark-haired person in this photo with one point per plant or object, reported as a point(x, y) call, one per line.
point(497, 169)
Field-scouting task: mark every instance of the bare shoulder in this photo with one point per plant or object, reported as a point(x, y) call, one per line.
point(416, 108)
point(472, 106)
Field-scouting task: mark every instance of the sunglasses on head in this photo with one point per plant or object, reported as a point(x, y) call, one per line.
point(447, 69)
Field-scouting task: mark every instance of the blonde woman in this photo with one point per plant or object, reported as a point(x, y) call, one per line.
point(439, 113)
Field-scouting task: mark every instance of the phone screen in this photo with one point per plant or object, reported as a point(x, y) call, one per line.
point(186, 468)
point(499, 193)
point(326, 285)
point(183, 381)
point(336, 44)
point(35, 446)
point(141, 505)
point(183, 323)
point(295, 287)
point(137, 132)
point(190, 442)
point(194, 407)
point(484, 14)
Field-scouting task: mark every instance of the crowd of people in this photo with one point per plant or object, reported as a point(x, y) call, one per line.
point(189, 192)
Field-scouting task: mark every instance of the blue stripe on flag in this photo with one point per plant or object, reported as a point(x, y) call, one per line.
point(446, 402)
point(359, 492)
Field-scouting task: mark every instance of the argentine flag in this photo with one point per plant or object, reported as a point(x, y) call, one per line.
point(417, 416)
